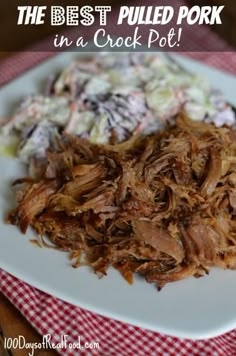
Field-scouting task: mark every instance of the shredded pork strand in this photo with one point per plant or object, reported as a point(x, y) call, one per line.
point(162, 206)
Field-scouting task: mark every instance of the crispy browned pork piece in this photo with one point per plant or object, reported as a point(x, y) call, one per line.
point(163, 206)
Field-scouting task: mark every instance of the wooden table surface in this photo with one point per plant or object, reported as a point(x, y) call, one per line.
point(13, 324)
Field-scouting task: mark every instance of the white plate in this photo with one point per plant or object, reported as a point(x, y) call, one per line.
point(193, 308)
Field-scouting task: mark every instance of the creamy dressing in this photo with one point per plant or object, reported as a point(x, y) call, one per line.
point(111, 96)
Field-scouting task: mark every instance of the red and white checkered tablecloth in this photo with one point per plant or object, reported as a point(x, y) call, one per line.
point(50, 315)
point(53, 316)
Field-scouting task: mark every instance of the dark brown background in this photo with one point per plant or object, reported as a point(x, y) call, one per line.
point(228, 28)
point(10, 30)
point(9, 14)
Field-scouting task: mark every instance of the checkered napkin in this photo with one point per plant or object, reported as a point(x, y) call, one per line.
point(52, 316)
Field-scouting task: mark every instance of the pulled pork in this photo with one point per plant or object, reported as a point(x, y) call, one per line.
point(163, 205)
